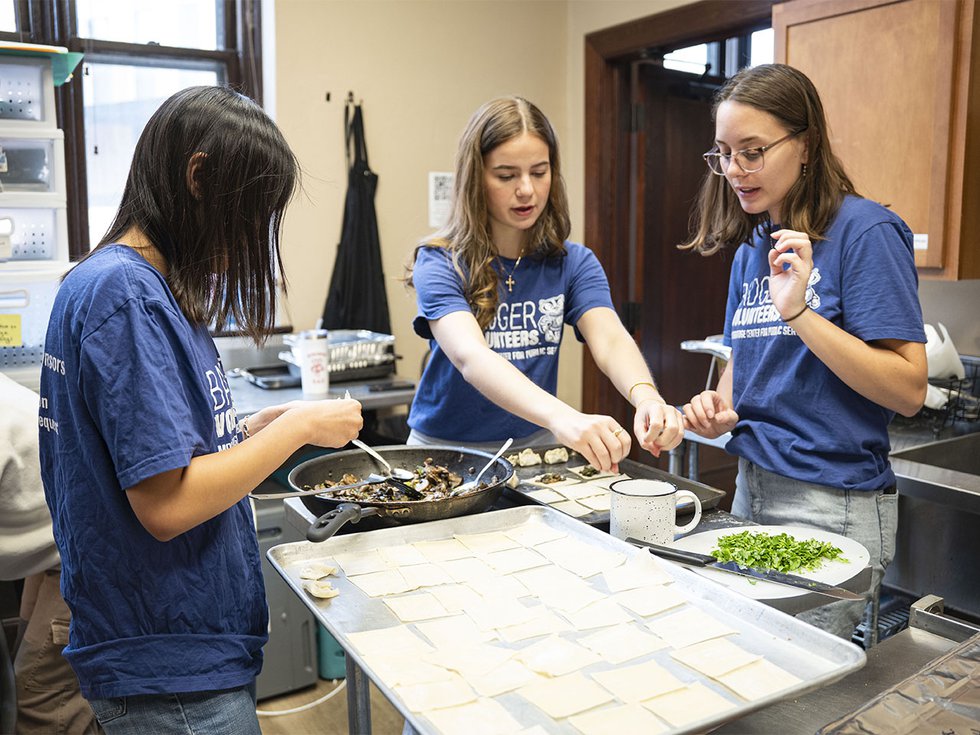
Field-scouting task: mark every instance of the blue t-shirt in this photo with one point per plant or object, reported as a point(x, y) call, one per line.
point(796, 418)
point(526, 331)
point(130, 389)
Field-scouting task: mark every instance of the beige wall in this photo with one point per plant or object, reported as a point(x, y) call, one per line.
point(421, 68)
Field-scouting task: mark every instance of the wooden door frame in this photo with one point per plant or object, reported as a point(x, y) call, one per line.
point(607, 114)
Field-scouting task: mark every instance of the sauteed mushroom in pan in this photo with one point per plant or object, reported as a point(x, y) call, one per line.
point(430, 481)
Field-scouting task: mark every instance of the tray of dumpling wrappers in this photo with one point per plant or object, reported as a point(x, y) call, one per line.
point(504, 620)
point(560, 478)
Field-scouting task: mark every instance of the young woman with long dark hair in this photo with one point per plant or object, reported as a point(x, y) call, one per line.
point(145, 465)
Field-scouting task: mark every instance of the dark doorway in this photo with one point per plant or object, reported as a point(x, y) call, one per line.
point(647, 127)
point(683, 295)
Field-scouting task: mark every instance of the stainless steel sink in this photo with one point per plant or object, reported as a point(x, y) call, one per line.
point(945, 472)
point(961, 454)
point(938, 518)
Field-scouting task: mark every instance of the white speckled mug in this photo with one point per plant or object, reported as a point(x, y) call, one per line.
point(647, 510)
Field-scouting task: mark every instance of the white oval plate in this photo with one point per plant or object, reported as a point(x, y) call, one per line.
point(832, 572)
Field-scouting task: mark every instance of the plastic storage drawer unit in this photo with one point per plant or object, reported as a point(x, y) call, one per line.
point(32, 237)
point(26, 92)
point(31, 162)
point(26, 298)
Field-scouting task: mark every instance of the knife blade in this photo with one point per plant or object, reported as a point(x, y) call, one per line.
point(692, 558)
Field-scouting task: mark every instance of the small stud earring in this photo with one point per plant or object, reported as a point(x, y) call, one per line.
point(804, 170)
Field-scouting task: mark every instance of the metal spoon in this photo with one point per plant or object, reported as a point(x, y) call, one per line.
point(397, 473)
point(467, 486)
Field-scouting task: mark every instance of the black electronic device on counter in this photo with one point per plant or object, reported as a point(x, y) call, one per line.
point(393, 385)
point(272, 377)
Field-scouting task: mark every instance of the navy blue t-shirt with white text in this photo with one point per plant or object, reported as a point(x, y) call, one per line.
point(131, 389)
point(526, 331)
point(796, 417)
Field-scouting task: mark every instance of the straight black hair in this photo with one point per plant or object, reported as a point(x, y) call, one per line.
point(221, 237)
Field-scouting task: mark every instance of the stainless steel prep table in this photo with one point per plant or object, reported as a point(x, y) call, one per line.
point(930, 635)
point(250, 398)
point(358, 690)
point(812, 655)
point(301, 517)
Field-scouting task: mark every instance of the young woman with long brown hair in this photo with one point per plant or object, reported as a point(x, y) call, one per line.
point(495, 289)
point(823, 319)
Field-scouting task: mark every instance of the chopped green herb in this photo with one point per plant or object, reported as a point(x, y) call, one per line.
point(780, 551)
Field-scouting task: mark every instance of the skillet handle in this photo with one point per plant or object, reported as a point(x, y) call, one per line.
point(329, 523)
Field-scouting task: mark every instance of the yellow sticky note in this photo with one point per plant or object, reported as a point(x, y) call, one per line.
point(10, 332)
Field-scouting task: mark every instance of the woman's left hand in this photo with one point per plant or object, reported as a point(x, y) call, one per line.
point(657, 426)
point(790, 265)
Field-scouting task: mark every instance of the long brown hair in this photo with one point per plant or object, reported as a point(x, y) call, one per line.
point(718, 219)
point(221, 243)
point(467, 233)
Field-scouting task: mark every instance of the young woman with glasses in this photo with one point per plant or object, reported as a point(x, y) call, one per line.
point(823, 319)
point(495, 289)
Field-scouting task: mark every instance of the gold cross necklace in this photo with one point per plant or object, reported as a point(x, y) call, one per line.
point(510, 276)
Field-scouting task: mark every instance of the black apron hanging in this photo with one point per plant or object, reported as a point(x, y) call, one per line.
point(357, 297)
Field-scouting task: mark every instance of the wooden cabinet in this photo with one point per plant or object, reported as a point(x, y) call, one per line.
point(900, 83)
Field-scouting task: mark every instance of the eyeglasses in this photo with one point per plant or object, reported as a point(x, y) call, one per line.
point(750, 160)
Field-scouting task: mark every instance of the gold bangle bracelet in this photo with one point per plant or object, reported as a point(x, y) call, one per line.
point(629, 395)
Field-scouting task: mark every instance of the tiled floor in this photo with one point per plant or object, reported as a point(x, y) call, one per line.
point(329, 718)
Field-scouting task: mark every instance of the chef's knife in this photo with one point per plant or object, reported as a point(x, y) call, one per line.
point(768, 575)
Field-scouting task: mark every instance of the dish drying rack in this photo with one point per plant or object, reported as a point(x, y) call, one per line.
point(353, 354)
point(963, 405)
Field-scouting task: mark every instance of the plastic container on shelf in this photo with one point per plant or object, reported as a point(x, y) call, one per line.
point(26, 298)
point(31, 162)
point(33, 232)
point(331, 659)
point(26, 92)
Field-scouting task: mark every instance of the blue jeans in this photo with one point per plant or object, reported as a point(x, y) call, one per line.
point(224, 712)
point(870, 518)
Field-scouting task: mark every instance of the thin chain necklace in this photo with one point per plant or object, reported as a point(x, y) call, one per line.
point(510, 276)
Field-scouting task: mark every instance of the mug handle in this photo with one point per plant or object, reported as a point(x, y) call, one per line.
point(697, 511)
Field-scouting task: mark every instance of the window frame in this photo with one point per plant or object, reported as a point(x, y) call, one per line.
point(725, 56)
point(54, 22)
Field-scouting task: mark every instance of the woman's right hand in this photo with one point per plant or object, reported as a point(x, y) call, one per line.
point(709, 415)
point(329, 422)
point(600, 439)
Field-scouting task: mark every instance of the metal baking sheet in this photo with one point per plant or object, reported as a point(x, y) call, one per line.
point(709, 496)
point(814, 656)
